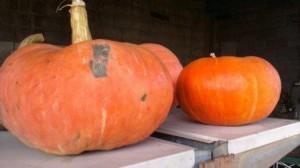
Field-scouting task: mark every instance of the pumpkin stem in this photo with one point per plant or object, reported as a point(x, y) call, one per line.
point(34, 38)
point(79, 22)
point(213, 55)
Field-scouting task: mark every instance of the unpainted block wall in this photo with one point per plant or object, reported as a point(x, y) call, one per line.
point(269, 29)
point(180, 26)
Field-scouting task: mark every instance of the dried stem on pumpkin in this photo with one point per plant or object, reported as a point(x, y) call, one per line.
point(34, 38)
point(213, 55)
point(79, 22)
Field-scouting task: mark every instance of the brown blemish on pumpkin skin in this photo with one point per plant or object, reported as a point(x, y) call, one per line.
point(47, 61)
point(144, 97)
point(98, 64)
point(18, 107)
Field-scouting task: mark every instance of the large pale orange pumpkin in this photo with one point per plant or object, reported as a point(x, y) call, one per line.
point(228, 90)
point(169, 59)
point(94, 94)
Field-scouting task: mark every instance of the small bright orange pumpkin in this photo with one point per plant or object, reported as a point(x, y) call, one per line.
point(93, 94)
point(228, 90)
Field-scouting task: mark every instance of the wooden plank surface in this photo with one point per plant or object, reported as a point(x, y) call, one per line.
point(238, 139)
point(221, 162)
point(150, 153)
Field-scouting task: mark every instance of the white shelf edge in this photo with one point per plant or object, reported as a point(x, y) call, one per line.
point(192, 136)
point(249, 142)
point(184, 159)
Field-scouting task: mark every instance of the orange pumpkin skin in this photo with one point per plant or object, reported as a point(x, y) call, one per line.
point(92, 95)
point(229, 90)
point(169, 59)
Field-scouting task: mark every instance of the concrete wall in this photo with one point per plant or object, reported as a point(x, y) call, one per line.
point(180, 26)
point(269, 29)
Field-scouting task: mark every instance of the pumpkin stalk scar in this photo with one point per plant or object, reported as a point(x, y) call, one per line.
point(144, 97)
point(98, 64)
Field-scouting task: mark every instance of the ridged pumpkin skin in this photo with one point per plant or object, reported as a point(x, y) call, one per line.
point(92, 95)
point(229, 90)
point(169, 59)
